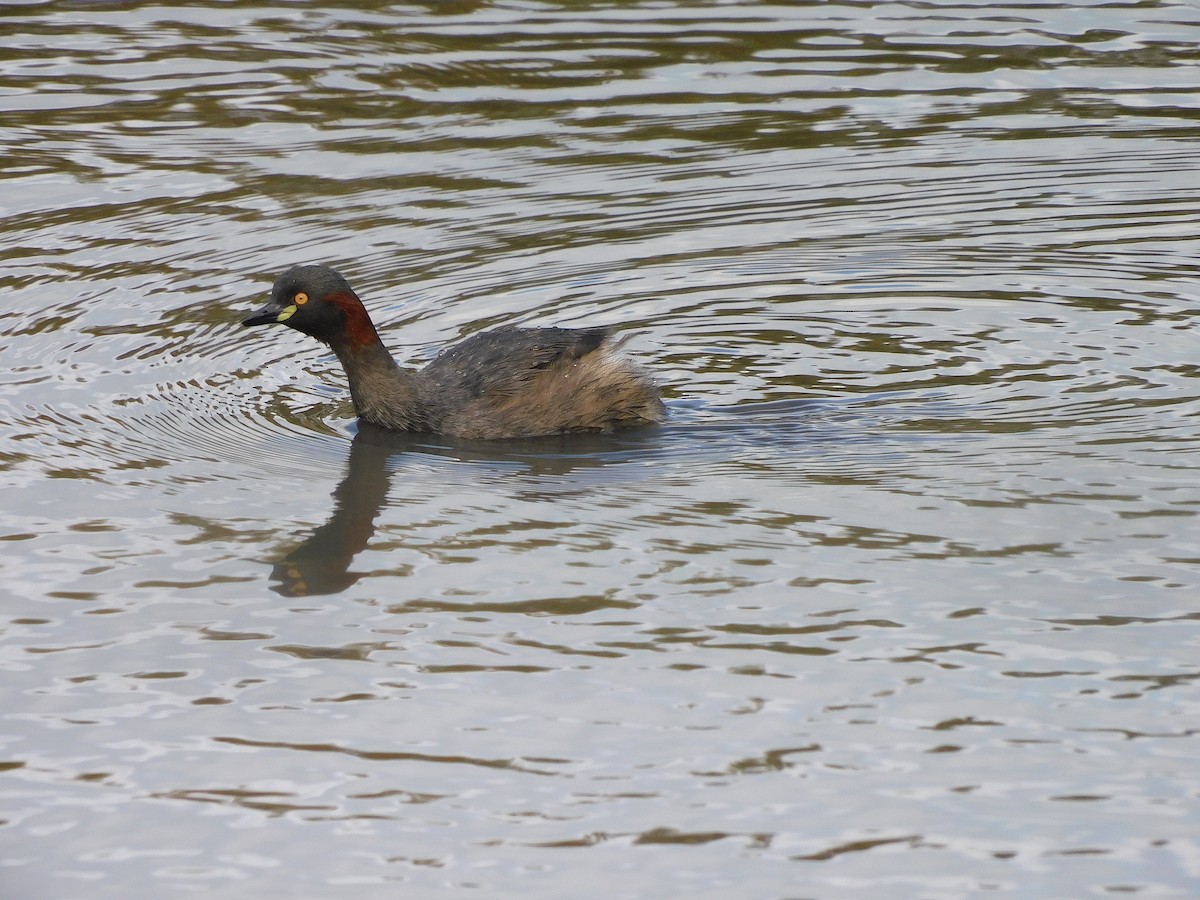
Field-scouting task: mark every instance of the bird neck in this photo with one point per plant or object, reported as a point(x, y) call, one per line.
point(383, 393)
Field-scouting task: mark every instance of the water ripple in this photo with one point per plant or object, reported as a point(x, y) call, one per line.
point(919, 283)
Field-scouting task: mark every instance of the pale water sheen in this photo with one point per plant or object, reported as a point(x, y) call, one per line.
point(904, 601)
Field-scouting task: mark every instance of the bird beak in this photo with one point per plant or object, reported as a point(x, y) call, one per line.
point(270, 314)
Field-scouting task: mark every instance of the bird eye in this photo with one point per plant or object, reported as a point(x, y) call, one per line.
point(300, 299)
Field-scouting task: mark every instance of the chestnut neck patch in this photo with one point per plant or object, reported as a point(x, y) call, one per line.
point(359, 331)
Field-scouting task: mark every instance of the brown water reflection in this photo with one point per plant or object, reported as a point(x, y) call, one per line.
point(320, 565)
point(901, 601)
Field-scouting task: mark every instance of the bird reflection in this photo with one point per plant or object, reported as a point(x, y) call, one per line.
point(321, 563)
point(823, 438)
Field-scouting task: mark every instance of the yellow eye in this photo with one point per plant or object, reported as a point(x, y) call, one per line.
point(300, 299)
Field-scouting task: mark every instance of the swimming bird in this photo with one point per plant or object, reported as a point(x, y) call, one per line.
point(505, 383)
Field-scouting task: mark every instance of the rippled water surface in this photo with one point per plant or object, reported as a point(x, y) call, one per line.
point(902, 602)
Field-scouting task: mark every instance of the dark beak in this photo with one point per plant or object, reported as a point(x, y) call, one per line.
point(268, 315)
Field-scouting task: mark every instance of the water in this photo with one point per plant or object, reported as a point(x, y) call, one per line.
point(903, 600)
